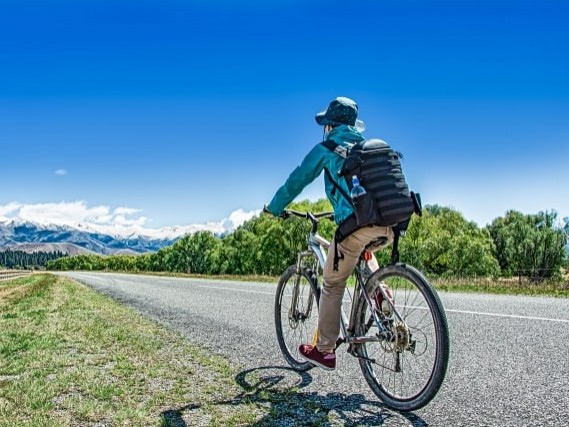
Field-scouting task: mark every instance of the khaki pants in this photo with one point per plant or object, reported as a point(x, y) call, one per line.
point(350, 250)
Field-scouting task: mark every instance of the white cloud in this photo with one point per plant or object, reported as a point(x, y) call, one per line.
point(125, 211)
point(60, 172)
point(8, 209)
point(237, 218)
point(64, 213)
point(122, 221)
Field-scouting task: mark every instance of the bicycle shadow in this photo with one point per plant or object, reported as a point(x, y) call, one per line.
point(276, 392)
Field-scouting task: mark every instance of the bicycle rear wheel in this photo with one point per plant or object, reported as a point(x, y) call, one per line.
point(406, 369)
point(296, 314)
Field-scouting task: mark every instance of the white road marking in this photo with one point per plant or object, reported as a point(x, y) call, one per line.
point(513, 316)
point(236, 290)
point(478, 313)
point(483, 313)
point(447, 310)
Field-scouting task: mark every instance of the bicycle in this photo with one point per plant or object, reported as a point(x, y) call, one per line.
point(397, 327)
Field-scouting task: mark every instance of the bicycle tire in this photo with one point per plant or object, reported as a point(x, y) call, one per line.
point(297, 326)
point(379, 361)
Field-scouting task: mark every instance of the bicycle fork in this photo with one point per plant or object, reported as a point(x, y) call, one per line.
point(296, 314)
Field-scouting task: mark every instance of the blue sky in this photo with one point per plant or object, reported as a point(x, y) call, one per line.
point(182, 112)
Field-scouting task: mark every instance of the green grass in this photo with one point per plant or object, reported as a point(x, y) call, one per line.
point(70, 356)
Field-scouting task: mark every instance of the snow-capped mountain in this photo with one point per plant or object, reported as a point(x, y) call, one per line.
point(101, 236)
point(18, 232)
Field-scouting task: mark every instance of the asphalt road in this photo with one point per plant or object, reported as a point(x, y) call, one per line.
point(509, 362)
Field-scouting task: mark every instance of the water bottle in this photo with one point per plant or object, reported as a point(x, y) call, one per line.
point(364, 209)
point(357, 189)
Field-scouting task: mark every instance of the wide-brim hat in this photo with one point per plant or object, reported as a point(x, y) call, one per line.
point(341, 111)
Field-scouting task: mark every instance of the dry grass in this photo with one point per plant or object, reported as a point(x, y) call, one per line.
point(514, 286)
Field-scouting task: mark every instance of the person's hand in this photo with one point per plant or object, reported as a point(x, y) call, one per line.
point(283, 214)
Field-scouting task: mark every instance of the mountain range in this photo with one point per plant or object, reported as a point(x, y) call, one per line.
point(33, 237)
point(100, 236)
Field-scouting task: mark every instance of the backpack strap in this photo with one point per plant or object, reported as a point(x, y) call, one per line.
point(345, 228)
point(342, 152)
point(349, 225)
point(337, 187)
point(336, 148)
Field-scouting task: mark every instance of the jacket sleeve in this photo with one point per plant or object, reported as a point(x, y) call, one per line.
point(310, 168)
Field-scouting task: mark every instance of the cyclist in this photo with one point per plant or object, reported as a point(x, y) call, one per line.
point(340, 124)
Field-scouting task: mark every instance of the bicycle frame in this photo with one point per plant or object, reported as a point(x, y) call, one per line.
point(317, 248)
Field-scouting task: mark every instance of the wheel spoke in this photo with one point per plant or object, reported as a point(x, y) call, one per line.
point(295, 325)
point(418, 349)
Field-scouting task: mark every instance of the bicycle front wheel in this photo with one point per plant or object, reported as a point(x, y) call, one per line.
point(406, 366)
point(296, 314)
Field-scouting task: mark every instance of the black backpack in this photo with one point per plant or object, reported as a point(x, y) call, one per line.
point(388, 201)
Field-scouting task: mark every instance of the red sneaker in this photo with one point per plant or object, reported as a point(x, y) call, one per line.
point(313, 355)
point(381, 303)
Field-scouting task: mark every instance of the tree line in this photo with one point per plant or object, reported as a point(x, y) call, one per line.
point(23, 260)
point(441, 242)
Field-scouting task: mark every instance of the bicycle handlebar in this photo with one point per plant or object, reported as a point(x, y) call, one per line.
point(310, 215)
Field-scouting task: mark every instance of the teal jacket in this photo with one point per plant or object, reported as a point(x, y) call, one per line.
point(318, 159)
